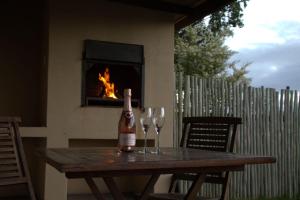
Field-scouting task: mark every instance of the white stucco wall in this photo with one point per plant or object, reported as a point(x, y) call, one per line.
point(71, 22)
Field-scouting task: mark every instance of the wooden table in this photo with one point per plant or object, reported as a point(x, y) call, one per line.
point(108, 163)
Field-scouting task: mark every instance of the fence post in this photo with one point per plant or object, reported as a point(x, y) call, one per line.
point(180, 109)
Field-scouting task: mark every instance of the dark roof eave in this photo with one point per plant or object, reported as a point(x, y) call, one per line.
point(188, 13)
point(201, 11)
point(158, 5)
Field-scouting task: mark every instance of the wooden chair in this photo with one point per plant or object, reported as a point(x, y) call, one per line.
point(205, 133)
point(13, 165)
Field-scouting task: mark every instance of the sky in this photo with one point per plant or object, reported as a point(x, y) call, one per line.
point(270, 40)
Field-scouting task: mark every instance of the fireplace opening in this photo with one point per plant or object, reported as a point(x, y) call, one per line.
point(108, 69)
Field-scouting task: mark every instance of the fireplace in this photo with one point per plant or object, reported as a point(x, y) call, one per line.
point(109, 68)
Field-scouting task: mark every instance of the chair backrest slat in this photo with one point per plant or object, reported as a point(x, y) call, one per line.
point(4, 162)
point(6, 149)
point(9, 174)
point(208, 137)
point(208, 131)
point(6, 144)
point(3, 127)
point(209, 126)
point(8, 168)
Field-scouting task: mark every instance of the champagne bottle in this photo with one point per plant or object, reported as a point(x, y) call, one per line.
point(127, 128)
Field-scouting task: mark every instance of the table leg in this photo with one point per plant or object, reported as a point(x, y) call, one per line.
point(195, 187)
point(113, 188)
point(149, 187)
point(94, 188)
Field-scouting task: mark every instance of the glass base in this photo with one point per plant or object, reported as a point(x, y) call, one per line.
point(143, 151)
point(156, 151)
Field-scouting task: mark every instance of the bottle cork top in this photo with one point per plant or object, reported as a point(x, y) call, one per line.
point(127, 92)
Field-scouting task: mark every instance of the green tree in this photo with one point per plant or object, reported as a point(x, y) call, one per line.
point(230, 16)
point(237, 75)
point(200, 48)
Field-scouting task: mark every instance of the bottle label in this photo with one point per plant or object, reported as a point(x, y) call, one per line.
point(127, 139)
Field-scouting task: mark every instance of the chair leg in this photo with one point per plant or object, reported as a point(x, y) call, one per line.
point(173, 184)
point(149, 186)
point(31, 192)
point(113, 188)
point(195, 187)
point(224, 195)
point(94, 189)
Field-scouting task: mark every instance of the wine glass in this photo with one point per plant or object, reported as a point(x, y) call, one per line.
point(145, 120)
point(158, 120)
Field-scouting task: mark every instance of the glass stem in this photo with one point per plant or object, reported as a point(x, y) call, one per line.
point(157, 148)
point(145, 142)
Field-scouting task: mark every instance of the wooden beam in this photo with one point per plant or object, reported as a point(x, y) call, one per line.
point(158, 5)
point(201, 11)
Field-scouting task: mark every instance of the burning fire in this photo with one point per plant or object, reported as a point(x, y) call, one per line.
point(109, 87)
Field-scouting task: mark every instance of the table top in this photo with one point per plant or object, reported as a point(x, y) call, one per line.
point(108, 160)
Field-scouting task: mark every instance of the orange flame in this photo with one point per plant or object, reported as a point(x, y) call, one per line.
point(109, 87)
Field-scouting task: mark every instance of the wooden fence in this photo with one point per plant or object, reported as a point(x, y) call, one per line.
point(270, 127)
